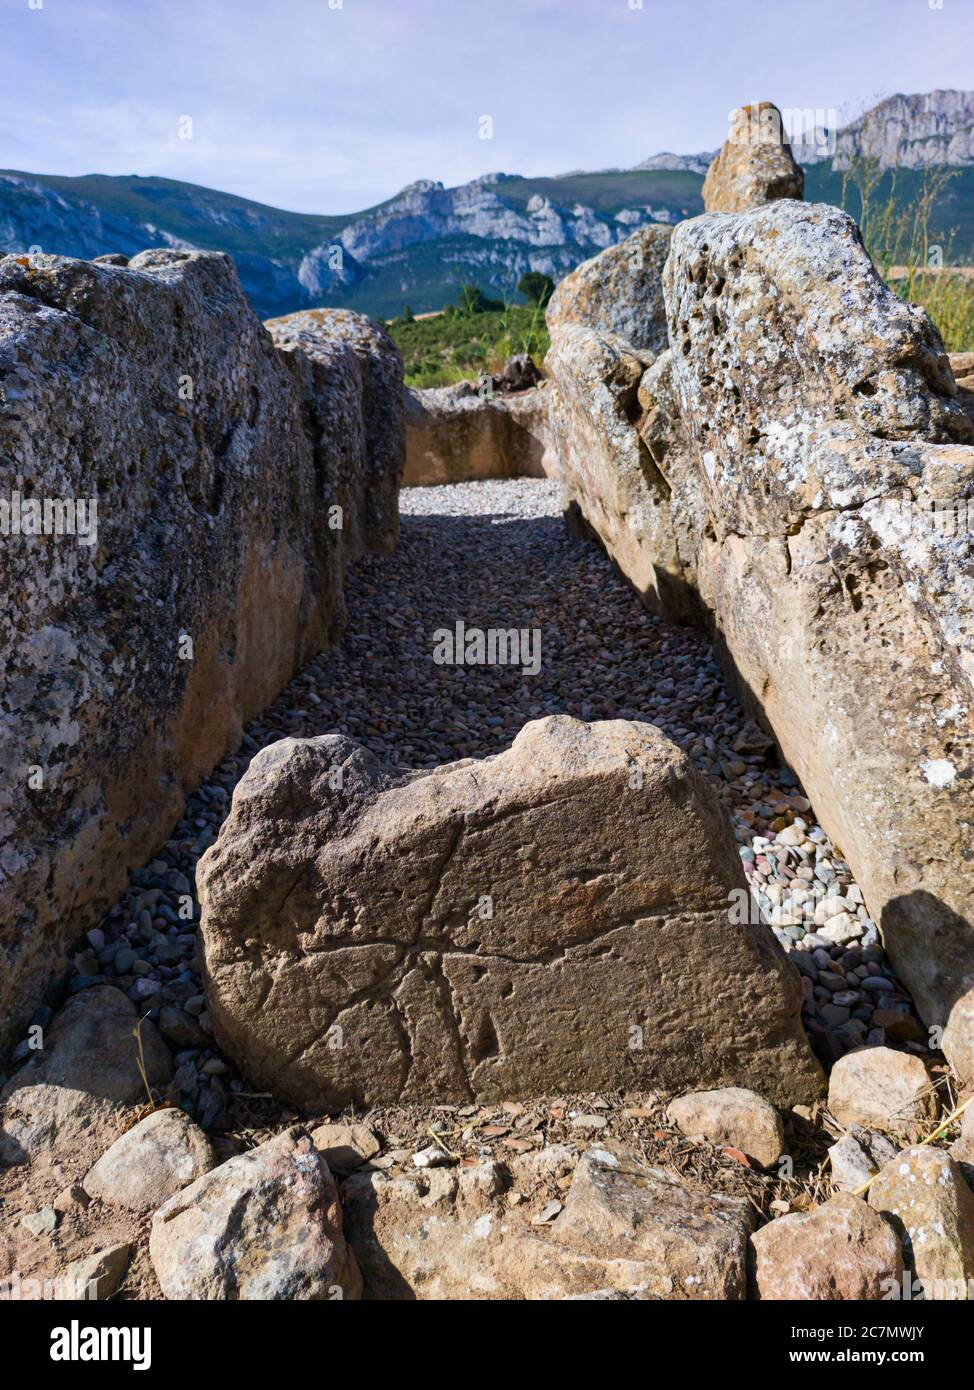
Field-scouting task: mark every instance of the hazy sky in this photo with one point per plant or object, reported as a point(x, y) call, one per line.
point(332, 105)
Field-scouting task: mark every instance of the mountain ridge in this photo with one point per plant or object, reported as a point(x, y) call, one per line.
point(420, 245)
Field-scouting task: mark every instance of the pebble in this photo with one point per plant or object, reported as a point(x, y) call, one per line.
point(41, 1223)
point(547, 1213)
point(431, 1157)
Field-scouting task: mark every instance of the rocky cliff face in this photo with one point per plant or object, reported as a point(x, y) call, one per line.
point(427, 210)
point(147, 406)
point(912, 132)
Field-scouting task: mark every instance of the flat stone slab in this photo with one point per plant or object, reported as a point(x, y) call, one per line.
point(553, 918)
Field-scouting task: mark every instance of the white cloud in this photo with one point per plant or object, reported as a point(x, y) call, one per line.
point(320, 109)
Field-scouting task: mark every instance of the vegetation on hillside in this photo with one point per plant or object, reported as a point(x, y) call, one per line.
point(905, 235)
point(902, 221)
point(474, 335)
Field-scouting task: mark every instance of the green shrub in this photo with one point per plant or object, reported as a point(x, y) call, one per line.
point(536, 287)
point(898, 238)
point(452, 347)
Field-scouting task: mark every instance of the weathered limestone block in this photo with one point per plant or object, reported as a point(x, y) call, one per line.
point(349, 373)
point(455, 435)
point(618, 291)
point(640, 1231)
point(821, 417)
point(809, 479)
point(132, 655)
point(555, 917)
point(607, 323)
point(755, 165)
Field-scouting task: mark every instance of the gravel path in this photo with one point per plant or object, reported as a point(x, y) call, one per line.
point(497, 555)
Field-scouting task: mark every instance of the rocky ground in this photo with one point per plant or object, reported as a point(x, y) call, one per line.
point(496, 554)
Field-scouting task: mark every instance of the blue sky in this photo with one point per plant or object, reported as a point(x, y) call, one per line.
point(333, 105)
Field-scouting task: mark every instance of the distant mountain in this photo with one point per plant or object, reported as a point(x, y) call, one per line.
point(694, 163)
point(912, 132)
point(420, 246)
point(417, 248)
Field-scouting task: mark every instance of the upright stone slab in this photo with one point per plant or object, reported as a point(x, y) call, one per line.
point(553, 918)
point(824, 433)
point(755, 165)
point(132, 654)
point(607, 324)
point(809, 477)
point(349, 374)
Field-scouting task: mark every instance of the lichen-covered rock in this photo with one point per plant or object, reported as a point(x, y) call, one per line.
point(492, 928)
point(455, 434)
point(349, 374)
point(840, 1250)
point(607, 323)
point(755, 165)
point(611, 483)
point(922, 1192)
point(265, 1225)
point(821, 419)
point(808, 478)
point(201, 574)
point(73, 1092)
point(619, 291)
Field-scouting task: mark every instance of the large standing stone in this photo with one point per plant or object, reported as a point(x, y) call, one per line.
point(202, 573)
point(555, 917)
point(807, 471)
point(821, 420)
point(74, 1090)
point(755, 165)
point(349, 374)
point(607, 324)
point(264, 1225)
point(619, 291)
point(923, 1193)
point(454, 435)
point(840, 1250)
